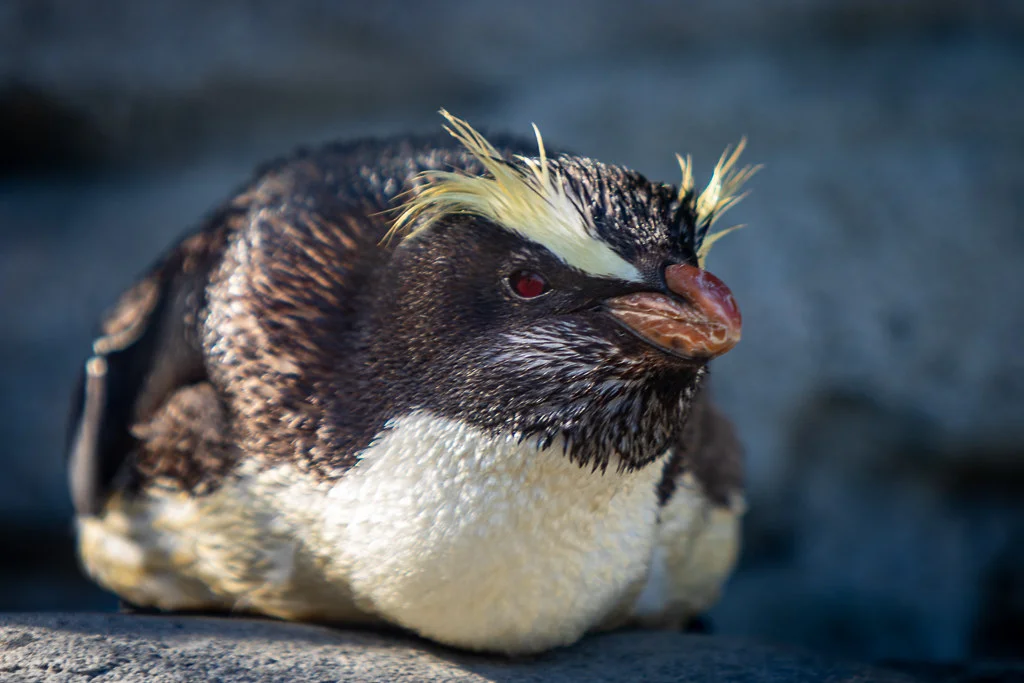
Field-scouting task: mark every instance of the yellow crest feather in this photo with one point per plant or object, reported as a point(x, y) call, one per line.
point(521, 194)
point(720, 195)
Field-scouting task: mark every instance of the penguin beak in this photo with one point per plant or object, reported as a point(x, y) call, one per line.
point(698, 319)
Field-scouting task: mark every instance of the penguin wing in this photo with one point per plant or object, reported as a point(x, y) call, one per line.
point(148, 348)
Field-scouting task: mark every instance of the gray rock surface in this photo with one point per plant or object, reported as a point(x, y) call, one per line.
point(73, 648)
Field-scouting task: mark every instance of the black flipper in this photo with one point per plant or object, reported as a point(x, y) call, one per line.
point(149, 348)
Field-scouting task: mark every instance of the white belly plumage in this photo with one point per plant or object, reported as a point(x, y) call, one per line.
point(471, 540)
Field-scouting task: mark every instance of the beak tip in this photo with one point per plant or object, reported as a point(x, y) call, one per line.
point(713, 299)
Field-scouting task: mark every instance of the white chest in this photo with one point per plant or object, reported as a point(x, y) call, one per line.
point(487, 543)
point(476, 542)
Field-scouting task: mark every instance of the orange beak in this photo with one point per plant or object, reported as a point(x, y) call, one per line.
point(700, 322)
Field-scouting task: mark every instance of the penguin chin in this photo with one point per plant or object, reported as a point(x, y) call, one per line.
point(623, 431)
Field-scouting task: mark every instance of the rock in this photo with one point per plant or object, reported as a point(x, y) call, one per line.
point(59, 648)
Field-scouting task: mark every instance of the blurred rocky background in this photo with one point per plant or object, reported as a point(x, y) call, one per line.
point(880, 384)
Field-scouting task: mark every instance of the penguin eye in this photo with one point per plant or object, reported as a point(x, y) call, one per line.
point(527, 284)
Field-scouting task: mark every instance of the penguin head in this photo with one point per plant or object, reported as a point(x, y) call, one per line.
point(555, 299)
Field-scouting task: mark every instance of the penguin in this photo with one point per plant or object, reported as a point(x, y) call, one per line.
point(444, 383)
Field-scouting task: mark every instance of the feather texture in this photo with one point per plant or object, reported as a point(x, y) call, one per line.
point(721, 194)
point(524, 195)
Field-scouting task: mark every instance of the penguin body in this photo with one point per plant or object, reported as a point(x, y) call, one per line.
point(425, 382)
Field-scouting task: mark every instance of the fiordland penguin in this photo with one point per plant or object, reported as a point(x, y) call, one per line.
point(446, 383)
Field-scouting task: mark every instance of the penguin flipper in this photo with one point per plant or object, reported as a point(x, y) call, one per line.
point(149, 347)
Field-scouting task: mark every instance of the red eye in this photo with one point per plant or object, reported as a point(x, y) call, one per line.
point(527, 284)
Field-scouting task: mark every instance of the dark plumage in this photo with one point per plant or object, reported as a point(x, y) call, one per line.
point(287, 341)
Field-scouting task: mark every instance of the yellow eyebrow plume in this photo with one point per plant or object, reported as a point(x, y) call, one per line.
point(720, 195)
point(522, 194)
point(529, 197)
